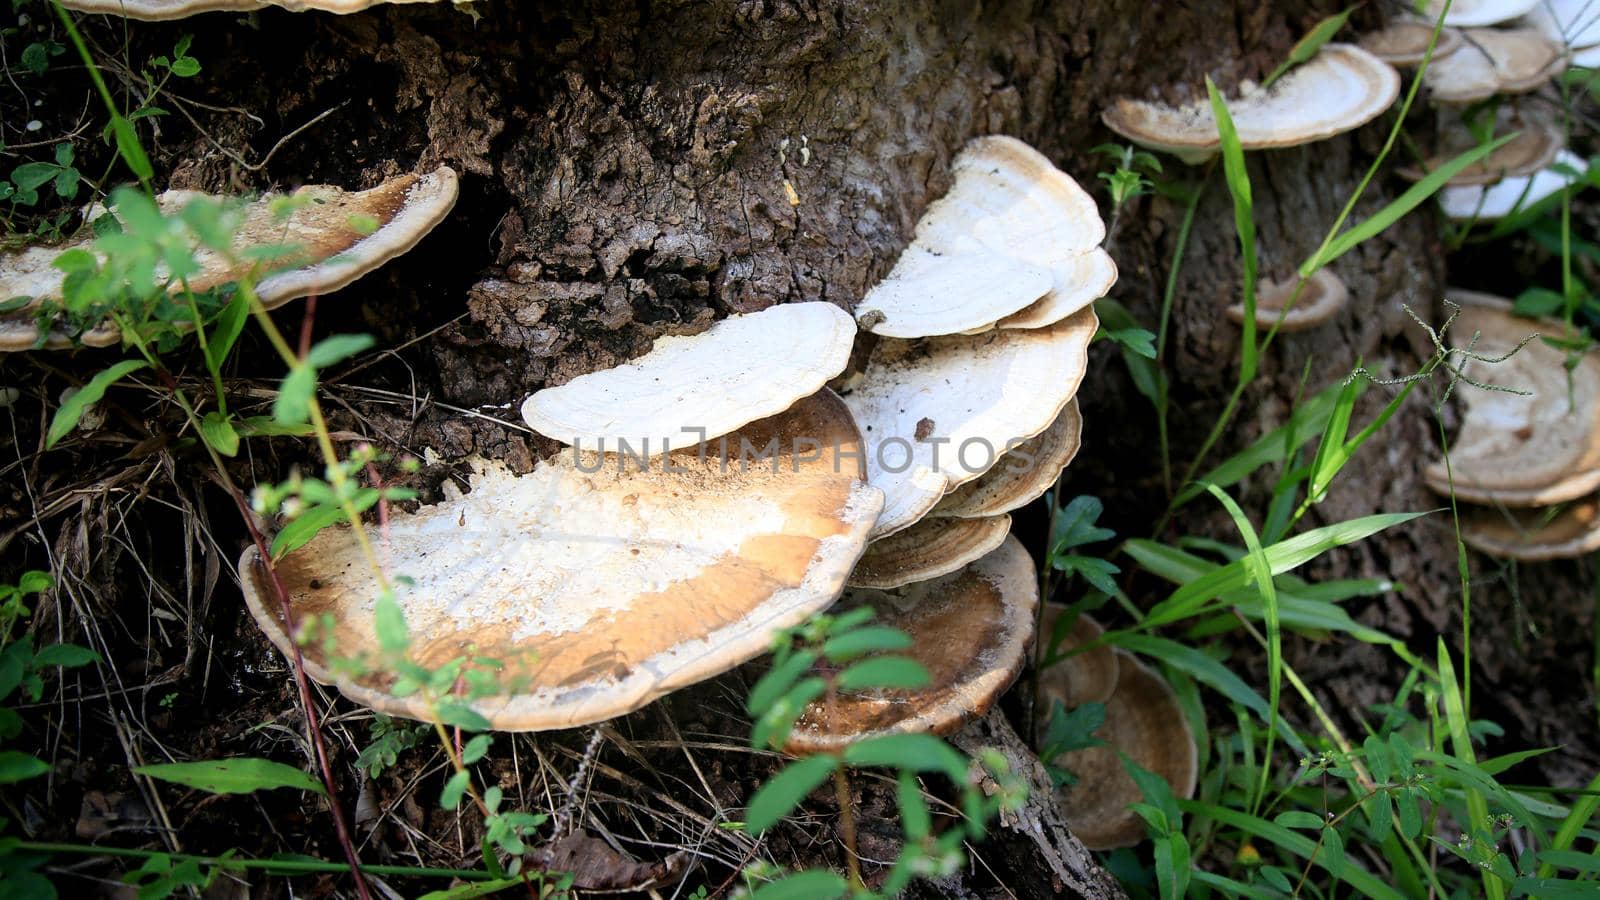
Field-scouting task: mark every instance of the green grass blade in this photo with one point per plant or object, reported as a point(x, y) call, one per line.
point(1298, 844)
point(1461, 743)
point(1243, 222)
point(1307, 47)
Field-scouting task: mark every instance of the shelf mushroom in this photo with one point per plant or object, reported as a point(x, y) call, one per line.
point(324, 248)
point(1473, 13)
point(939, 412)
point(1495, 61)
point(1574, 23)
point(595, 583)
point(1537, 143)
point(971, 629)
point(1321, 299)
point(160, 10)
point(1022, 475)
point(1342, 88)
point(1510, 195)
point(1144, 721)
point(1535, 535)
point(1014, 243)
point(1405, 42)
point(694, 388)
point(1534, 448)
point(1085, 676)
point(928, 549)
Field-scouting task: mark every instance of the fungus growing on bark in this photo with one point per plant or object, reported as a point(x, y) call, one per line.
point(1144, 721)
point(1343, 87)
point(1536, 146)
point(1089, 676)
point(976, 394)
point(1521, 449)
point(1405, 42)
point(597, 584)
point(1474, 13)
point(970, 629)
point(694, 388)
point(324, 247)
point(160, 10)
point(1504, 197)
point(928, 549)
point(1321, 299)
point(1574, 23)
point(1495, 61)
point(1022, 475)
point(1014, 241)
point(1535, 535)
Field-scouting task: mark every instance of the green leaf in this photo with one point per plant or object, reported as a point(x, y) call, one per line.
point(777, 682)
point(1075, 525)
point(476, 749)
point(17, 766)
point(460, 715)
point(67, 656)
point(1238, 180)
point(131, 150)
point(185, 67)
point(292, 406)
point(914, 815)
point(896, 672)
point(335, 348)
point(1299, 818)
point(1304, 423)
point(1066, 731)
point(217, 430)
point(784, 791)
point(916, 752)
point(300, 530)
point(389, 622)
point(32, 175)
point(454, 789)
point(816, 884)
point(1307, 47)
point(232, 776)
point(473, 889)
point(66, 418)
point(1377, 223)
point(860, 642)
point(229, 325)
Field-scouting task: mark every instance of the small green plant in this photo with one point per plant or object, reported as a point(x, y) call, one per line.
point(390, 737)
point(861, 656)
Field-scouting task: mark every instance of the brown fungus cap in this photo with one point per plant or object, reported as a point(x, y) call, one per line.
point(159, 10)
point(971, 629)
point(325, 244)
point(1535, 535)
point(1343, 87)
point(1521, 449)
point(1022, 475)
point(1495, 61)
point(928, 549)
point(1405, 42)
point(1143, 720)
point(1539, 140)
point(1089, 676)
point(597, 584)
point(1322, 298)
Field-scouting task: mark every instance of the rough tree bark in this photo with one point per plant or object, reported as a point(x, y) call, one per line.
point(625, 167)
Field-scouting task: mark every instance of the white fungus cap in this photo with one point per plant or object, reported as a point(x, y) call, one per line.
point(1509, 195)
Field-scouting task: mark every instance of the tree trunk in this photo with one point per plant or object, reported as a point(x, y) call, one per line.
point(627, 174)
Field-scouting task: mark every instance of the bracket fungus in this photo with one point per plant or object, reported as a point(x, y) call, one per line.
point(1509, 195)
point(928, 549)
point(1144, 721)
point(970, 629)
point(1088, 676)
point(1473, 13)
point(1537, 143)
point(1495, 61)
point(1534, 448)
point(939, 412)
point(1015, 242)
point(1022, 475)
point(1405, 42)
point(694, 388)
point(1535, 535)
point(1342, 88)
point(597, 585)
point(1575, 23)
point(161, 10)
point(323, 248)
point(1321, 299)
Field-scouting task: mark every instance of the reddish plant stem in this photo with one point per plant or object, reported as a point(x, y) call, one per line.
point(313, 724)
